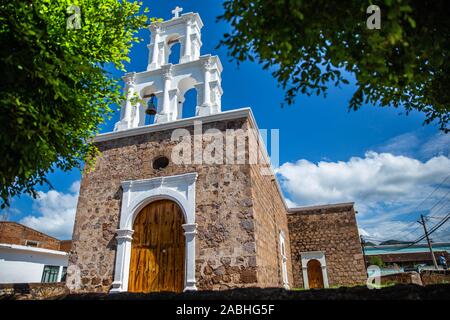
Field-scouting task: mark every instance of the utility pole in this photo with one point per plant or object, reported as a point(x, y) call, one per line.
point(364, 251)
point(422, 222)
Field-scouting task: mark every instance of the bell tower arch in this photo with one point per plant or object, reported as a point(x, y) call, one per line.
point(185, 29)
point(169, 82)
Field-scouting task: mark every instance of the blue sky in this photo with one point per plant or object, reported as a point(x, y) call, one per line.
point(385, 161)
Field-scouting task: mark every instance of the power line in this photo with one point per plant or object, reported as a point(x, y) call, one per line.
point(375, 239)
point(440, 224)
point(437, 217)
point(429, 210)
point(435, 189)
point(418, 206)
point(442, 235)
point(437, 226)
point(427, 217)
point(443, 232)
point(439, 201)
point(433, 229)
point(441, 208)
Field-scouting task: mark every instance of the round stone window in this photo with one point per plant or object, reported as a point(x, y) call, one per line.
point(160, 163)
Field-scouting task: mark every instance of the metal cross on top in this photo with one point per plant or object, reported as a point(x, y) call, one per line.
point(176, 11)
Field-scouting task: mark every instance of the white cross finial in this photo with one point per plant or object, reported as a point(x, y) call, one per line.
point(176, 11)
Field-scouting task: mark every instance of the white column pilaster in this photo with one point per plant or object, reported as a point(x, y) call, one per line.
point(130, 81)
point(126, 121)
point(155, 48)
point(190, 230)
point(187, 44)
point(206, 107)
point(122, 267)
point(305, 277)
point(325, 276)
point(165, 114)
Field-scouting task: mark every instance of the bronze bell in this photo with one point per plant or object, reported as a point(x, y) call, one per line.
point(151, 109)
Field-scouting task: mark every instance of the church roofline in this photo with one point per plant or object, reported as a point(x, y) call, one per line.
point(343, 205)
point(224, 115)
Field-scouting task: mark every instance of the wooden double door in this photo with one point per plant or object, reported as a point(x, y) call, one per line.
point(158, 249)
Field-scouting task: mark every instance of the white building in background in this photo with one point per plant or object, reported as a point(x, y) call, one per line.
point(29, 256)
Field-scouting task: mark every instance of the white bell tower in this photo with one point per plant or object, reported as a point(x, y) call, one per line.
point(169, 82)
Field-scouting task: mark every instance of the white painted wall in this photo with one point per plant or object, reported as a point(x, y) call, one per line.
point(21, 264)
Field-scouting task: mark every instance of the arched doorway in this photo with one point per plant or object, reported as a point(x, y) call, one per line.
point(315, 277)
point(158, 249)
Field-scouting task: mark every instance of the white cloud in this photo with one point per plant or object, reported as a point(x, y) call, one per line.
point(386, 189)
point(377, 176)
point(417, 145)
point(437, 145)
point(405, 144)
point(55, 212)
point(290, 203)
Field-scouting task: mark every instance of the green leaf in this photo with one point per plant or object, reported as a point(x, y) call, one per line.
point(55, 91)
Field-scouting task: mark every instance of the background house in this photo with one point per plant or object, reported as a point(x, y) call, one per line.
point(401, 257)
point(30, 256)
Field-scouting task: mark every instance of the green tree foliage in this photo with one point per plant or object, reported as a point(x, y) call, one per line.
point(376, 261)
point(54, 90)
point(308, 44)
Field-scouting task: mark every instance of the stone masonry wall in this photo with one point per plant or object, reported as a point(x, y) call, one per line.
point(435, 277)
point(15, 233)
point(270, 219)
point(32, 291)
point(332, 229)
point(225, 242)
point(403, 277)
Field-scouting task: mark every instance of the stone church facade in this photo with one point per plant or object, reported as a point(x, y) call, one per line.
point(228, 225)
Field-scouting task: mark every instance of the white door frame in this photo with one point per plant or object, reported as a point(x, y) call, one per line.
point(284, 261)
point(314, 255)
point(136, 195)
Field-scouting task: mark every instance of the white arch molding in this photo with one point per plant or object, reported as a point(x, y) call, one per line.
point(314, 255)
point(136, 195)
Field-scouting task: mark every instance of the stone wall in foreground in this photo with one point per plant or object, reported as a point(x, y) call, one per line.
point(435, 277)
point(34, 291)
